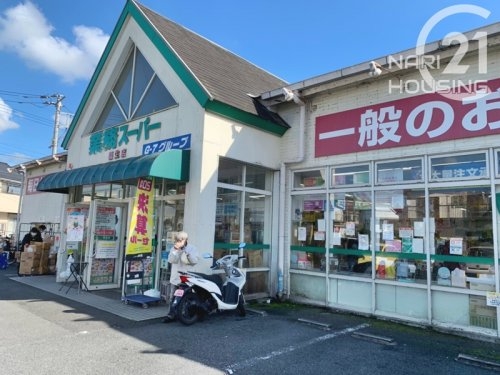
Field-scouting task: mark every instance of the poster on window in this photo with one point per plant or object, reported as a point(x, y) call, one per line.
point(407, 244)
point(74, 226)
point(336, 235)
point(456, 246)
point(102, 271)
point(363, 242)
point(350, 228)
point(106, 249)
point(139, 240)
point(417, 245)
point(387, 231)
point(302, 233)
point(106, 220)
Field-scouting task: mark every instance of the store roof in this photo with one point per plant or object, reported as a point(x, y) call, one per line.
point(358, 73)
point(226, 76)
point(221, 81)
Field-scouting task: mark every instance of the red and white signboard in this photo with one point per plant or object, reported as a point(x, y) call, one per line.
point(411, 121)
point(32, 183)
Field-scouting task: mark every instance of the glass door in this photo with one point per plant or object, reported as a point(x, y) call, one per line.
point(106, 244)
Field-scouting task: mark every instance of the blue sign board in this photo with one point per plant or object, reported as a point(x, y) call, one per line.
point(182, 142)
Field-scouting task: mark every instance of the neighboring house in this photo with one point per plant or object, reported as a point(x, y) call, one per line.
point(10, 191)
point(37, 207)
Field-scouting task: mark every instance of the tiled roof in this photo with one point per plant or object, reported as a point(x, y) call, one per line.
point(227, 77)
point(6, 175)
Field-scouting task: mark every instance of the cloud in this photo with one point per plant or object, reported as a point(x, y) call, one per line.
point(25, 31)
point(6, 121)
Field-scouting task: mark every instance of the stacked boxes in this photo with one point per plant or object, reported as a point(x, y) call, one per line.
point(35, 260)
point(255, 258)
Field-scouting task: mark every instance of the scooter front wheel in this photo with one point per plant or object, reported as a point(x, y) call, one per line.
point(188, 309)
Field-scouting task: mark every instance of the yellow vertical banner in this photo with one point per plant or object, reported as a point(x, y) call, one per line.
point(140, 233)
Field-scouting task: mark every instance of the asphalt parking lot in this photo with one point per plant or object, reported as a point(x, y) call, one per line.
point(44, 334)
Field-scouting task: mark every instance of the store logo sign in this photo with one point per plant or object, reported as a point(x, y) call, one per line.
point(442, 73)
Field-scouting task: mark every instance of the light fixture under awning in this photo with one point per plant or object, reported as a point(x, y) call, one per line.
point(172, 165)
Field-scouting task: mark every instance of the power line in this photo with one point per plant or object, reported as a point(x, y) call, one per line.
point(26, 116)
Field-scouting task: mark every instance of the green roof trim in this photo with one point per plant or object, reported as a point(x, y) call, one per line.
point(236, 114)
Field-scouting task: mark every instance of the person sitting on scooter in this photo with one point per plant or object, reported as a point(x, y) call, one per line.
point(182, 257)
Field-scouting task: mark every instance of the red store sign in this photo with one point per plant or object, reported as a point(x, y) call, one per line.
point(31, 185)
point(410, 121)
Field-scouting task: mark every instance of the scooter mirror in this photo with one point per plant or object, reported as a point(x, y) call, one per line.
point(207, 256)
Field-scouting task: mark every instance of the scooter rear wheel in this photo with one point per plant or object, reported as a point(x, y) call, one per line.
point(241, 306)
point(188, 309)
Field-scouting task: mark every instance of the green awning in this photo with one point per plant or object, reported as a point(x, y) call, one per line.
point(172, 165)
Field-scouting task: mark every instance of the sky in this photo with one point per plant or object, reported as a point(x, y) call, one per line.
point(50, 48)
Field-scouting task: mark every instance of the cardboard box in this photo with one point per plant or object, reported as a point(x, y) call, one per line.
point(25, 268)
point(254, 258)
point(30, 257)
point(34, 247)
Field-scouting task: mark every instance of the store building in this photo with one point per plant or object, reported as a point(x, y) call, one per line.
point(176, 118)
point(392, 206)
point(366, 191)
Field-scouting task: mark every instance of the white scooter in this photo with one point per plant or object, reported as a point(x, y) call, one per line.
point(200, 294)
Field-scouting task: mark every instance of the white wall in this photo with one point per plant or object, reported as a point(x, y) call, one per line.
point(42, 207)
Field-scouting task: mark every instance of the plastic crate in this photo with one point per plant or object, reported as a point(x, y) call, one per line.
point(4, 260)
point(165, 290)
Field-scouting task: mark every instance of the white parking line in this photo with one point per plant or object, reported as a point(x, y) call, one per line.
point(252, 361)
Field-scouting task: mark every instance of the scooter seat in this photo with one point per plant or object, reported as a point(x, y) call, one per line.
point(213, 278)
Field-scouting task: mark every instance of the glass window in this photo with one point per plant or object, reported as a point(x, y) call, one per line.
point(309, 179)
point(243, 214)
point(458, 167)
point(350, 234)
point(461, 223)
point(256, 178)
point(137, 93)
point(308, 232)
point(400, 235)
point(256, 206)
point(350, 176)
point(497, 163)
point(230, 172)
point(399, 171)
point(227, 220)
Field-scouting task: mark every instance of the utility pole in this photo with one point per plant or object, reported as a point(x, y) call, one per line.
point(58, 104)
